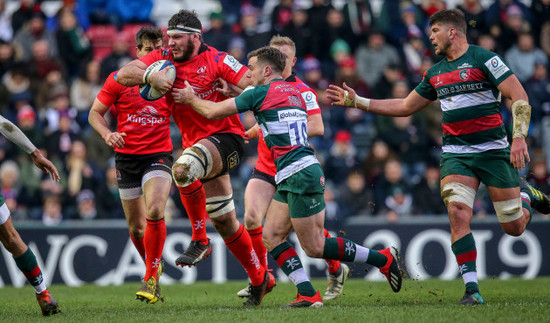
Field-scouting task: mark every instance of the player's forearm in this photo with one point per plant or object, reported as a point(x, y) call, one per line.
point(388, 107)
point(315, 126)
point(130, 75)
point(15, 135)
point(98, 122)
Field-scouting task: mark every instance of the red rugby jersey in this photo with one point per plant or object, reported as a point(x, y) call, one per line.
point(146, 123)
point(265, 162)
point(201, 72)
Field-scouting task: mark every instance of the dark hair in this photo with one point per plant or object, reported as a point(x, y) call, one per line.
point(270, 56)
point(151, 34)
point(187, 18)
point(452, 17)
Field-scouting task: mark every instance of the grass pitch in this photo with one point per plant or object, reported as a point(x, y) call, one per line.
point(513, 300)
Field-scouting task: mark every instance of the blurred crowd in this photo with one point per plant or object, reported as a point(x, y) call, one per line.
point(52, 67)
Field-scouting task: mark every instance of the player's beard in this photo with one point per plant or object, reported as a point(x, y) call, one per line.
point(443, 48)
point(187, 52)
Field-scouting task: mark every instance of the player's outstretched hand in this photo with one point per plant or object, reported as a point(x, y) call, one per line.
point(160, 82)
point(115, 139)
point(519, 153)
point(338, 95)
point(44, 164)
point(185, 95)
point(226, 88)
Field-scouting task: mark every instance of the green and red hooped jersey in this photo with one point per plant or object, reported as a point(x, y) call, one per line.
point(470, 100)
point(281, 113)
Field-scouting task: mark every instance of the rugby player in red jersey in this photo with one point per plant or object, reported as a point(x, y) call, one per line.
point(261, 187)
point(212, 147)
point(143, 159)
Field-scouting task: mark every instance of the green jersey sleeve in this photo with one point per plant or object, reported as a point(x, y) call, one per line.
point(493, 66)
point(250, 99)
point(425, 88)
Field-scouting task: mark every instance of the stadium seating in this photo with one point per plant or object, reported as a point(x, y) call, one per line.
point(101, 37)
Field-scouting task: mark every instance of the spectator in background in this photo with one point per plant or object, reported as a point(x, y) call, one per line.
point(299, 31)
point(35, 30)
point(355, 199)
point(521, 58)
point(52, 210)
point(342, 158)
point(541, 24)
point(374, 56)
point(281, 17)
point(42, 62)
point(376, 160)
point(313, 76)
point(219, 34)
point(358, 20)
point(83, 91)
point(392, 177)
point(412, 143)
point(488, 42)
point(118, 58)
point(83, 173)
point(398, 203)
point(86, 207)
point(415, 51)
point(237, 49)
point(59, 142)
point(73, 45)
point(109, 205)
point(10, 186)
point(27, 122)
point(6, 30)
point(334, 218)
point(7, 56)
point(255, 35)
point(391, 74)
point(427, 195)
point(538, 90)
point(512, 18)
point(15, 85)
point(476, 18)
point(24, 13)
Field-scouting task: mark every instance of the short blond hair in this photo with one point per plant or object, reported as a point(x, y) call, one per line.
point(279, 40)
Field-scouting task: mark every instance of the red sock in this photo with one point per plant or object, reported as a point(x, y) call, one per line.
point(241, 247)
point(333, 265)
point(193, 199)
point(153, 239)
point(258, 245)
point(138, 243)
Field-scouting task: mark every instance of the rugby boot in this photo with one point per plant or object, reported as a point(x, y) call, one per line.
point(471, 298)
point(47, 303)
point(314, 301)
point(148, 291)
point(391, 270)
point(539, 200)
point(257, 293)
point(336, 283)
point(196, 252)
point(245, 292)
point(159, 273)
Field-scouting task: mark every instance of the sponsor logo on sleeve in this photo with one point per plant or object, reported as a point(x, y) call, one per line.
point(496, 66)
point(233, 63)
point(310, 100)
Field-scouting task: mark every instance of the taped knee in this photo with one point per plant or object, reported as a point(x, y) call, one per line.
point(195, 162)
point(459, 193)
point(508, 211)
point(219, 205)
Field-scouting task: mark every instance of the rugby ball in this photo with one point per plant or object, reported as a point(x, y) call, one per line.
point(146, 90)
